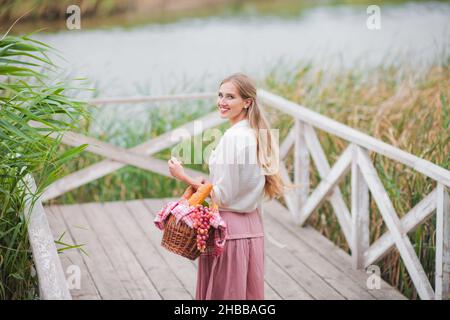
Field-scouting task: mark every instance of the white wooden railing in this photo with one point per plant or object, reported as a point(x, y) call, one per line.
point(51, 277)
point(355, 226)
point(301, 201)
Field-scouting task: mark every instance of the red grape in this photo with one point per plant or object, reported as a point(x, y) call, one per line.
point(201, 217)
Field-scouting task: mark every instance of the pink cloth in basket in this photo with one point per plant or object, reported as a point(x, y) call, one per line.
point(181, 210)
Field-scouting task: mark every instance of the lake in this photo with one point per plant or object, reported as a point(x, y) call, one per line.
point(194, 54)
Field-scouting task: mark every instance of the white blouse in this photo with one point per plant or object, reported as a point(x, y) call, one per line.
point(238, 181)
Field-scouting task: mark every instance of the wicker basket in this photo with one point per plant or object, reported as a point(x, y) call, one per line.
point(179, 238)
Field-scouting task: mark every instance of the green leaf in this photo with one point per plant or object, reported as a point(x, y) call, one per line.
point(67, 155)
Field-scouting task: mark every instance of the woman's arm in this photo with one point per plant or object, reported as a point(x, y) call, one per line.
point(197, 182)
point(177, 171)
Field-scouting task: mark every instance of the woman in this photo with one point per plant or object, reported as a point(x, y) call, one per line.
point(243, 169)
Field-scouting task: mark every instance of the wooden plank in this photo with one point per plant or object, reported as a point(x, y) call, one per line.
point(99, 265)
point(164, 280)
point(442, 280)
point(102, 168)
point(122, 155)
point(51, 277)
point(184, 269)
point(328, 250)
point(70, 257)
point(287, 143)
point(153, 206)
point(352, 135)
point(299, 272)
point(417, 215)
point(335, 278)
point(402, 242)
point(323, 167)
point(301, 167)
point(141, 99)
point(326, 185)
point(63, 256)
point(285, 286)
point(270, 293)
point(289, 195)
point(127, 267)
point(360, 213)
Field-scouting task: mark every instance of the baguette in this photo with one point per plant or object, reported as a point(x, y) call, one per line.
point(201, 194)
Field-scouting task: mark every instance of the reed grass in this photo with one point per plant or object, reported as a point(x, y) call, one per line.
point(28, 92)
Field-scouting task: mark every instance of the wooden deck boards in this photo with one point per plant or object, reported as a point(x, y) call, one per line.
point(125, 259)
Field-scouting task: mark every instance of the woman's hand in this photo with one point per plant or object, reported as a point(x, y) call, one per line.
point(198, 182)
point(176, 169)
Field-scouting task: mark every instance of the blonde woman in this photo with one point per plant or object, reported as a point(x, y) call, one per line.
point(243, 170)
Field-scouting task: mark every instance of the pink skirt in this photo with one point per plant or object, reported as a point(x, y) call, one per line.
point(238, 273)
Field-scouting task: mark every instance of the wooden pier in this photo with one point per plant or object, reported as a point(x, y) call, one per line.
point(126, 261)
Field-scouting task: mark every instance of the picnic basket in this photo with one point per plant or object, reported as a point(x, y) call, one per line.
point(180, 238)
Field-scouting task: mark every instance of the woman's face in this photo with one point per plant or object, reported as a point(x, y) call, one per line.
point(230, 103)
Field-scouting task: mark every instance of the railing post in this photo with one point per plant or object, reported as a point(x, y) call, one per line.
point(360, 213)
point(301, 167)
point(442, 281)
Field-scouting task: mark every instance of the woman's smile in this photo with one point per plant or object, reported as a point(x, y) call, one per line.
point(223, 109)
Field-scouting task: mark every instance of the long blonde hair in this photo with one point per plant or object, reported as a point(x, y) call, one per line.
point(266, 146)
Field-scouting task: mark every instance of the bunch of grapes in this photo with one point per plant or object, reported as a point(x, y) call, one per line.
point(201, 216)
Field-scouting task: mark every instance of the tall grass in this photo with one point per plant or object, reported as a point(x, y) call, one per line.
point(397, 105)
point(25, 95)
